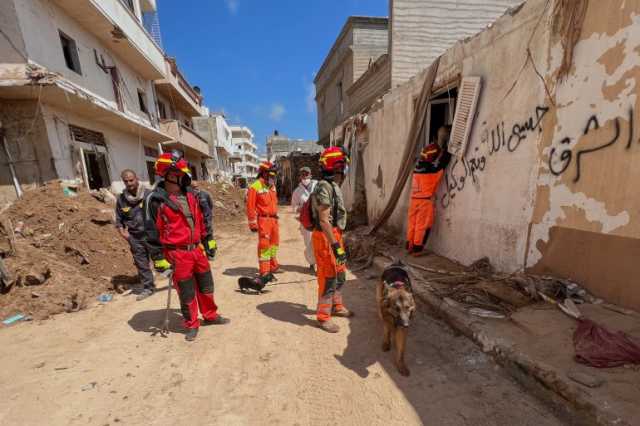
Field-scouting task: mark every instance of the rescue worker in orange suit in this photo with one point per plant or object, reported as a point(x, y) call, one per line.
point(262, 214)
point(330, 220)
point(427, 174)
point(177, 237)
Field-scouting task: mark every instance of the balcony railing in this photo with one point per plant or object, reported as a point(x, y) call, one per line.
point(184, 138)
point(176, 87)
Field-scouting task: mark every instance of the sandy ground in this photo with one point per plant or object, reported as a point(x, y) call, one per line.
point(271, 365)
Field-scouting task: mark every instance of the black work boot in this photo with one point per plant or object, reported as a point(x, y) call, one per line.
point(220, 320)
point(191, 335)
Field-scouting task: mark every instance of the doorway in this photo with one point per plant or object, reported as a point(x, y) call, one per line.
point(440, 113)
point(97, 170)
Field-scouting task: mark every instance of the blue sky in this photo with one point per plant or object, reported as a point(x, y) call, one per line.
point(256, 59)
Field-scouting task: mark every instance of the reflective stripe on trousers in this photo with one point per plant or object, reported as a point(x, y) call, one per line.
point(331, 277)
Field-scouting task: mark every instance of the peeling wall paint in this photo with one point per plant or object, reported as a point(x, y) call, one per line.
point(549, 180)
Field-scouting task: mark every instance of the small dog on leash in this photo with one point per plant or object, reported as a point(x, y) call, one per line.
point(396, 307)
point(255, 284)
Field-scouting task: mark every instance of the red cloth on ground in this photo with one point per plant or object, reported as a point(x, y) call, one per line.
point(598, 347)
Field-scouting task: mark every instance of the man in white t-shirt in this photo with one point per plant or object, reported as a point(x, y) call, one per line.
point(299, 197)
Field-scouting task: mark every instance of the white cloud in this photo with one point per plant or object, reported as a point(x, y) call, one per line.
point(277, 112)
point(233, 6)
point(311, 97)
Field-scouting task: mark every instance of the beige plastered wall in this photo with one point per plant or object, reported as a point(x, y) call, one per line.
point(516, 197)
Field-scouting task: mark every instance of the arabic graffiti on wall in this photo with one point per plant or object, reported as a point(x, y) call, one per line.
point(561, 156)
point(496, 140)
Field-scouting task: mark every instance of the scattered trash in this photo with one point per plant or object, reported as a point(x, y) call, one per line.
point(69, 191)
point(19, 227)
point(35, 295)
point(61, 368)
point(485, 313)
point(105, 298)
point(585, 379)
point(40, 365)
point(219, 205)
point(13, 319)
point(90, 386)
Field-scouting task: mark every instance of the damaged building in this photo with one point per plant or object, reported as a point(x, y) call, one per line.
point(79, 89)
point(544, 109)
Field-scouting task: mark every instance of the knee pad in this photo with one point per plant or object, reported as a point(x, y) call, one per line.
point(330, 286)
point(205, 282)
point(187, 293)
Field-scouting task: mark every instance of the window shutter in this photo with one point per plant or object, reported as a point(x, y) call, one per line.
point(465, 114)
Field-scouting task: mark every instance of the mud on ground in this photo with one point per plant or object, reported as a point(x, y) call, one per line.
point(69, 252)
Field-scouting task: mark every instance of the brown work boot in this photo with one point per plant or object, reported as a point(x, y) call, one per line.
point(329, 326)
point(343, 313)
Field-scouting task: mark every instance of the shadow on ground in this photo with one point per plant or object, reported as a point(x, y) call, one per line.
point(293, 313)
point(152, 321)
point(452, 382)
point(297, 269)
point(243, 271)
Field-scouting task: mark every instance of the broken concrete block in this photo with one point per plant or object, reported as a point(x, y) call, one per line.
point(585, 379)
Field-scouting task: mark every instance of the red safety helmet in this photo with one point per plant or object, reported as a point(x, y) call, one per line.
point(268, 168)
point(334, 160)
point(430, 153)
point(168, 161)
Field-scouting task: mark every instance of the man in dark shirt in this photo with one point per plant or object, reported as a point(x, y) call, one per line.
point(130, 225)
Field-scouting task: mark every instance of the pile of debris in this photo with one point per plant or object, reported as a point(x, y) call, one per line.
point(59, 248)
point(229, 201)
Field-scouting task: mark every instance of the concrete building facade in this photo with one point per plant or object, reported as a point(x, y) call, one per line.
point(178, 105)
point(76, 84)
point(362, 41)
point(279, 146)
point(547, 182)
point(217, 132)
point(245, 152)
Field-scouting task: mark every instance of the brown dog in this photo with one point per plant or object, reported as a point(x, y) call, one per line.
point(396, 307)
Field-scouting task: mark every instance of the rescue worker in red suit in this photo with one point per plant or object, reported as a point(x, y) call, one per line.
point(176, 236)
point(262, 215)
point(330, 220)
point(427, 174)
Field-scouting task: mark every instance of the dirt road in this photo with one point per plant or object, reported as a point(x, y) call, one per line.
point(270, 366)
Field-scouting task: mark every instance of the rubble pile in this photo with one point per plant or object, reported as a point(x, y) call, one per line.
point(229, 202)
point(478, 288)
point(67, 250)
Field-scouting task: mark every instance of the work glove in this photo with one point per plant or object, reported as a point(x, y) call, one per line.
point(161, 266)
point(211, 248)
point(339, 253)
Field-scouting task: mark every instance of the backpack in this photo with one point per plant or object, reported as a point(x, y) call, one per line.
point(307, 218)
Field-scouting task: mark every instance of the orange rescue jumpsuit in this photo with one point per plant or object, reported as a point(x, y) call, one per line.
point(426, 177)
point(331, 276)
point(262, 213)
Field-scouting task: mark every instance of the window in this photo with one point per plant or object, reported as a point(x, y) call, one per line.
point(129, 4)
point(162, 110)
point(142, 100)
point(70, 52)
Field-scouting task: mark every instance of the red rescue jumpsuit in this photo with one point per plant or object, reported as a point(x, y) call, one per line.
point(262, 214)
point(178, 234)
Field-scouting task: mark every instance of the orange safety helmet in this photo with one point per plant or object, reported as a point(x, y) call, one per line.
point(430, 153)
point(169, 161)
point(334, 160)
point(267, 167)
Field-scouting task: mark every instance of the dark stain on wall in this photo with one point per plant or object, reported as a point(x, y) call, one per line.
point(601, 263)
